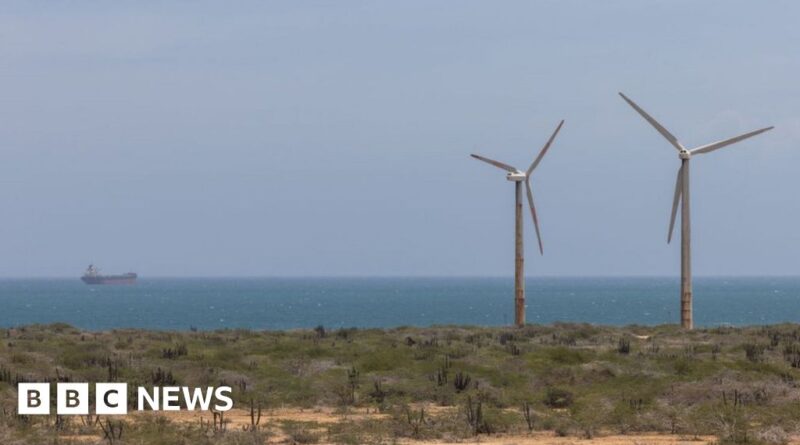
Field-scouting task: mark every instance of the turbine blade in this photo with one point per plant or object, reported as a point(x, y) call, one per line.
point(678, 196)
point(717, 145)
point(664, 132)
point(499, 164)
point(533, 214)
point(544, 149)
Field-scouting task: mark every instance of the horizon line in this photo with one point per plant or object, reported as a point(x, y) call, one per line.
point(409, 276)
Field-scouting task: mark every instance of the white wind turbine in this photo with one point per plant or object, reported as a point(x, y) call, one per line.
point(682, 195)
point(518, 177)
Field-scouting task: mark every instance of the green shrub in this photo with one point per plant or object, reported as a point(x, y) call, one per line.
point(565, 356)
point(301, 432)
point(558, 398)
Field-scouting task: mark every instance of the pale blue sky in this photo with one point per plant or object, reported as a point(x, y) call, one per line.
point(332, 138)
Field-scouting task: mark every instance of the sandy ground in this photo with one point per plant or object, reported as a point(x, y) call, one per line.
point(238, 418)
point(550, 439)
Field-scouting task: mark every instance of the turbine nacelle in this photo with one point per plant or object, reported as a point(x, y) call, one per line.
point(516, 176)
point(685, 154)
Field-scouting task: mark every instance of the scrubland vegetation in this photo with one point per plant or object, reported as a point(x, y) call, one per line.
point(741, 385)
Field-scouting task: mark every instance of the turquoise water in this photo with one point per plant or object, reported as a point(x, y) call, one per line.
point(282, 303)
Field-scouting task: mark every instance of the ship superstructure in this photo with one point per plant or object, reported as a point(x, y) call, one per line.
point(93, 276)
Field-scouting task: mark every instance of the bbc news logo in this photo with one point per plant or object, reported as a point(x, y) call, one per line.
point(112, 398)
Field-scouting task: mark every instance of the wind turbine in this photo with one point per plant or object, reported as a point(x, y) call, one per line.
point(682, 195)
point(518, 177)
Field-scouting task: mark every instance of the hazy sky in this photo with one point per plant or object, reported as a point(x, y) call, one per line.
point(332, 138)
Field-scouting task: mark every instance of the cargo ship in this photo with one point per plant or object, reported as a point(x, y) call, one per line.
point(93, 276)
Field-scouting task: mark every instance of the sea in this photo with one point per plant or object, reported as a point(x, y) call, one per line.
point(291, 303)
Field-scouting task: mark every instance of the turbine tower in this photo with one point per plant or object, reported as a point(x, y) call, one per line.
point(518, 177)
point(682, 195)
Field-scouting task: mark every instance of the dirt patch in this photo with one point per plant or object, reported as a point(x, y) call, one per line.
point(549, 438)
point(236, 418)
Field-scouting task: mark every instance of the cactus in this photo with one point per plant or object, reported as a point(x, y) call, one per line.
point(474, 412)
point(241, 384)
point(352, 383)
point(172, 354)
point(378, 394)
point(161, 378)
point(112, 432)
point(113, 370)
point(90, 420)
point(528, 415)
point(735, 398)
point(61, 423)
point(716, 348)
point(13, 378)
point(255, 417)
point(624, 346)
point(754, 352)
point(415, 421)
point(461, 381)
point(219, 423)
point(506, 337)
point(441, 376)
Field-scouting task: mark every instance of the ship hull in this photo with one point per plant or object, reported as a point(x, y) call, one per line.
point(129, 278)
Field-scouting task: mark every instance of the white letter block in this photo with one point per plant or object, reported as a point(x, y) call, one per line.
point(171, 401)
point(112, 398)
point(72, 398)
point(33, 398)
